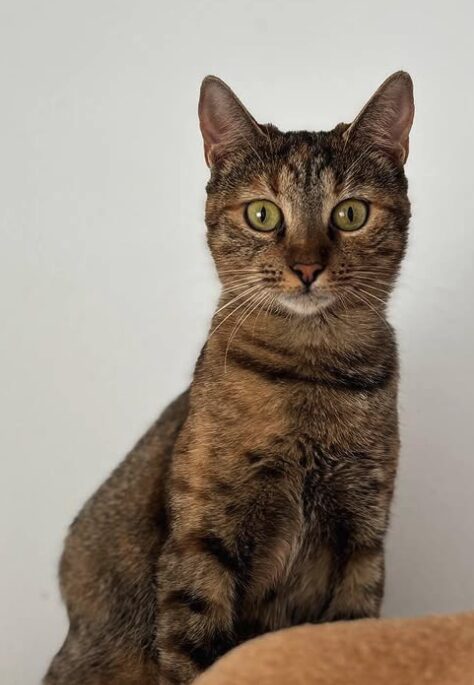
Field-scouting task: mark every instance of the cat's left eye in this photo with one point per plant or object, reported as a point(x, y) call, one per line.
point(263, 215)
point(350, 215)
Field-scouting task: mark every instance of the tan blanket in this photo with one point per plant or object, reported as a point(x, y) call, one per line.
point(436, 650)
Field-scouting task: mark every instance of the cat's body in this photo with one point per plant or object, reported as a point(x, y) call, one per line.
point(261, 497)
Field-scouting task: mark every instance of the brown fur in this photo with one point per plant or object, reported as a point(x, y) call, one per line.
point(261, 498)
point(436, 650)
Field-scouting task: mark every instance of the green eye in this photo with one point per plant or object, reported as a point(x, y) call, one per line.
point(350, 215)
point(263, 215)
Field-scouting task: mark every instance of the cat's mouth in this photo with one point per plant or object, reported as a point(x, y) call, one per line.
point(306, 302)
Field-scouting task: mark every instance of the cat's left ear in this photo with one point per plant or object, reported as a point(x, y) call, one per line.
point(387, 118)
point(225, 123)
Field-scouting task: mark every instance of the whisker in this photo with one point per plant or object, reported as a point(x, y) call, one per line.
point(242, 304)
point(373, 296)
point(258, 304)
point(372, 277)
point(370, 273)
point(236, 326)
point(344, 303)
point(237, 271)
point(266, 300)
point(237, 297)
point(366, 284)
point(367, 304)
point(247, 312)
point(236, 289)
point(237, 276)
point(239, 282)
point(242, 318)
point(366, 272)
point(368, 279)
point(388, 288)
point(270, 305)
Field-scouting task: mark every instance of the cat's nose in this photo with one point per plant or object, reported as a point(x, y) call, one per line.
point(307, 273)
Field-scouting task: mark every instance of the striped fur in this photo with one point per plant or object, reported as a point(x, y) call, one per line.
point(260, 499)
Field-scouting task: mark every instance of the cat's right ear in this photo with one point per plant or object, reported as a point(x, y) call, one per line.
point(386, 119)
point(225, 123)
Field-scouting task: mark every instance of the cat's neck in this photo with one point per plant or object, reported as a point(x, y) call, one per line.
point(287, 340)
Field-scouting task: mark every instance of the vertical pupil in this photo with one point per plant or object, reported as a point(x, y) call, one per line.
point(350, 214)
point(262, 215)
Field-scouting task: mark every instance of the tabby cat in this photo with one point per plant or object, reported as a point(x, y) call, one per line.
point(260, 498)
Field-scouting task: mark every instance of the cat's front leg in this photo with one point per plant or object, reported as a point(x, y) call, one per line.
point(198, 577)
point(222, 555)
point(359, 592)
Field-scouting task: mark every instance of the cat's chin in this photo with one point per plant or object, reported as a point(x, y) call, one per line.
point(305, 304)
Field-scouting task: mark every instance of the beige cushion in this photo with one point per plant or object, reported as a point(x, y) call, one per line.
point(436, 650)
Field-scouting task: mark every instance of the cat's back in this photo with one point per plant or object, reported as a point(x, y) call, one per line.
point(115, 539)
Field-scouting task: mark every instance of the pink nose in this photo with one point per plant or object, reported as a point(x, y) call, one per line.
point(307, 273)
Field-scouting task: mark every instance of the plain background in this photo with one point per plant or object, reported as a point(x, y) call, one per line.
point(107, 288)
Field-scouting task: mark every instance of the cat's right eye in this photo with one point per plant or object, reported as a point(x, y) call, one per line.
point(350, 215)
point(263, 215)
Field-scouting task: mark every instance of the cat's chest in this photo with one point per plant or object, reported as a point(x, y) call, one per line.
point(327, 416)
point(340, 497)
point(267, 409)
point(342, 490)
point(341, 512)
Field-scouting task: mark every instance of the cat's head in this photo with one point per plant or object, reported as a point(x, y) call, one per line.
point(308, 220)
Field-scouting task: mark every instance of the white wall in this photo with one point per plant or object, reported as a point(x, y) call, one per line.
point(106, 287)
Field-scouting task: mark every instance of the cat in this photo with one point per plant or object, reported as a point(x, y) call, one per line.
point(260, 498)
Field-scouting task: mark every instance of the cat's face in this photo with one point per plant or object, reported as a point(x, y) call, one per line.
point(308, 220)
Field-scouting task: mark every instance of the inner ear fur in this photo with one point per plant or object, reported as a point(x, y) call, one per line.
point(225, 122)
point(386, 119)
